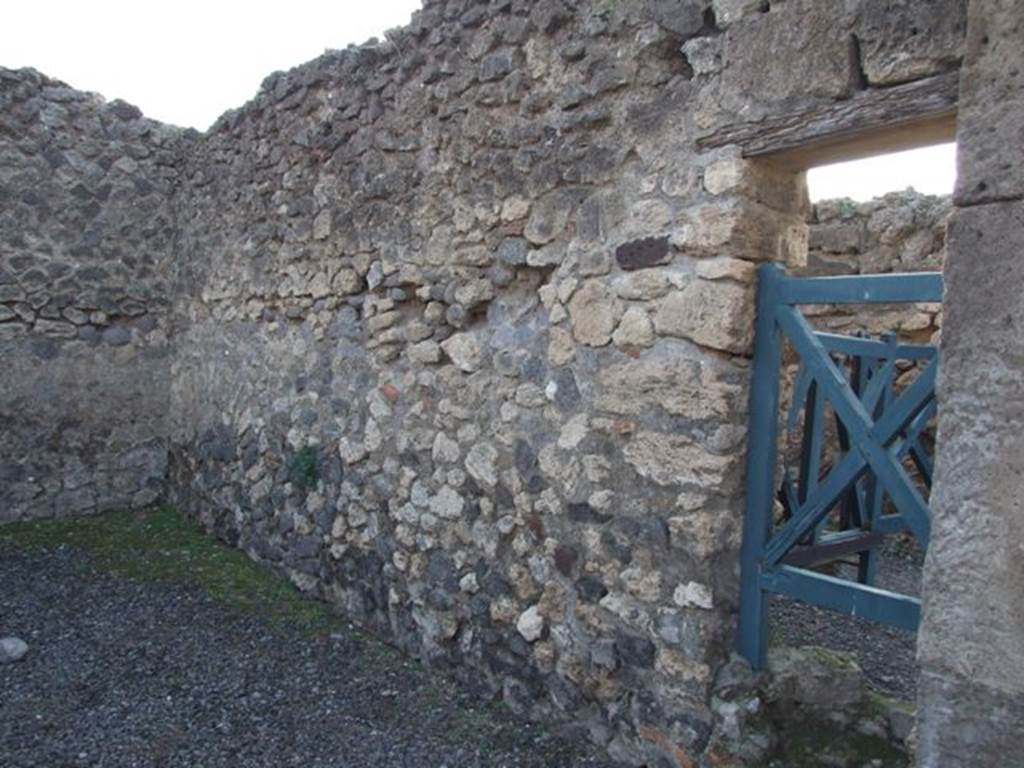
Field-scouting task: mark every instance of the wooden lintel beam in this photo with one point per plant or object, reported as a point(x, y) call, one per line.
point(871, 122)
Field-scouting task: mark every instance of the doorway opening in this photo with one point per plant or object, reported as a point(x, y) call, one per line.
point(887, 221)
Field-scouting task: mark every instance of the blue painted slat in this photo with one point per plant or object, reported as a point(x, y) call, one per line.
point(914, 399)
point(851, 345)
point(901, 490)
point(924, 463)
point(851, 507)
point(819, 502)
point(912, 444)
point(789, 491)
point(876, 429)
point(868, 438)
point(817, 411)
point(872, 394)
point(850, 409)
point(847, 597)
point(840, 536)
point(874, 492)
point(810, 448)
point(800, 387)
point(891, 524)
point(851, 510)
point(752, 637)
point(864, 289)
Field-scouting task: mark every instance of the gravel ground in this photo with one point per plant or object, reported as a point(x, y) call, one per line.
point(885, 654)
point(130, 673)
point(175, 654)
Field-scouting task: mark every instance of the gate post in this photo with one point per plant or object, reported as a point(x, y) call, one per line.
point(752, 642)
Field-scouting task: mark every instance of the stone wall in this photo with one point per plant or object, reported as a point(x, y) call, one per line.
point(86, 264)
point(971, 691)
point(465, 354)
point(465, 335)
point(899, 232)
point(461, 325)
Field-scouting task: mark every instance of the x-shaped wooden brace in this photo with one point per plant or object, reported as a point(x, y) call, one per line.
point(868, 441)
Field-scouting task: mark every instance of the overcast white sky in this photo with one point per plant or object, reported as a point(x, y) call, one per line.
point(931, 170)
point(187, 62)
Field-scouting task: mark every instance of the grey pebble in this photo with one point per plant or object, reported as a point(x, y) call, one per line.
point(12, 649)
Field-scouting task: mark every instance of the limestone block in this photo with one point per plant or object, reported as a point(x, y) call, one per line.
point(642, 583)
point(727, 269)
point(573, 432)
point(445, 450)
point(715, 314)
point(561, 348)
point(347, 282)
point(728, 173)
point(971, 627)
point(644, 285)
point(990, 113)
point(908, 40)
point(743, 229)
point(463, 350)
point(815, 677)
point(425, 352)
point(837, 237)
point(704, 54)
point(794, 54)
point(693, 594)
point(595, 311)
point(548, 217)
point(474, 293)
point(530, 395)
point(322, 225)
point(663, 378)
point(635, 329)
point(550, 255)
point(514, 208)
point(674, 459)
point(592, 260)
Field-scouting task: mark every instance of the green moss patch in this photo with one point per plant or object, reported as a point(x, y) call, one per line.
point(304, 468)
point(160, 545)
point(815, 743)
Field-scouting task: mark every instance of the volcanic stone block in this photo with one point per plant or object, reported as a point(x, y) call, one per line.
point(646, 252)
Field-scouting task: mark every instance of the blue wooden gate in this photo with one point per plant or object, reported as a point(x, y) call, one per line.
point(833, 504)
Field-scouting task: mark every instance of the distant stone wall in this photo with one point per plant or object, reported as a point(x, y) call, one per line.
point(86, 266)
point(900, 232)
